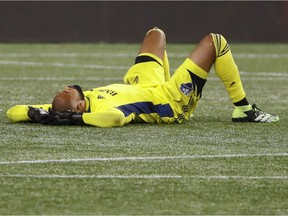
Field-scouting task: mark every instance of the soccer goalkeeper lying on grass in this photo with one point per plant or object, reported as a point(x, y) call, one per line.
point(149, 94)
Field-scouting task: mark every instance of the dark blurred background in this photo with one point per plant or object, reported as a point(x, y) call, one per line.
point(108, 21)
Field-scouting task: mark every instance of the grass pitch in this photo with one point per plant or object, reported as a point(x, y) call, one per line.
point(208, 165)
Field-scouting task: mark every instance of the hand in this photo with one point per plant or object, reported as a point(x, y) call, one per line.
point(65, 118)
point(38, 115)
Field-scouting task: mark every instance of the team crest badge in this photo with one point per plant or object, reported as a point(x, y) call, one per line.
point(186, 88)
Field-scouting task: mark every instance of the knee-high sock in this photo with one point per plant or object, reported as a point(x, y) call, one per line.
point(226, 69)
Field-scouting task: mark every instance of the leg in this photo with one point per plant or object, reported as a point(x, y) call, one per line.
point(204, 54)
point(195, 68)
point(154, 43)
point(151, 62)
point(227, 71)
point(214, 49)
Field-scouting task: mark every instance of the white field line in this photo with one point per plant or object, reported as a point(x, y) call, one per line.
point(142, 158)
point(256, 75)
point(96, 66)
point(92, 66)
point(46, 176)
point(93, 176)
point(126, 55)
point(60, 78)
point(273, 76)
point(256, 55)
point(67, 55)
point(259, 75)
point(60, 64)
point(265, 74)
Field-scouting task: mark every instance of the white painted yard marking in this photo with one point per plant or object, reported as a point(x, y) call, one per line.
point(60, 64)
point(93, 176)
point(240, 177)
point(95, 66)
point(143, 177)
point(142, 158)
point(67, 55)
point(256, 55)
point(256, 76)
point(127, 55)
point(266, 74)
point(60, 78)
point(259, 75)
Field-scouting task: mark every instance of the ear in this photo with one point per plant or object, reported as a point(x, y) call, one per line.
point(81, 106)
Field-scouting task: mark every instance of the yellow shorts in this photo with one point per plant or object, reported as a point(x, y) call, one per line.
point(182, 91)
point(147, 71)
point(186, 86)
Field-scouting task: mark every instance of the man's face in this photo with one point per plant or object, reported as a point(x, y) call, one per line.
point(71, 98)
point(78, 89)
point(72, 92)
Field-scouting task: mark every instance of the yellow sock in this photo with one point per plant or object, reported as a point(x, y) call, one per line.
point(226, 69)
point(166, 66)
point(244, 108)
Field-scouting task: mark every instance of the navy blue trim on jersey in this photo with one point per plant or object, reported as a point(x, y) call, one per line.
point(144, 58)
point(163, 110)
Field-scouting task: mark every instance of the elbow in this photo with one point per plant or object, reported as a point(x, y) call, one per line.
point(104, 119)
point(119, 120)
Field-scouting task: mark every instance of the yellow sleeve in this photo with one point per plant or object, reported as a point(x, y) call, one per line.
point(109, 118)
point(18, 113)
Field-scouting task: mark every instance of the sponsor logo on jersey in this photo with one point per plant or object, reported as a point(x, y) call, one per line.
point(186, 88)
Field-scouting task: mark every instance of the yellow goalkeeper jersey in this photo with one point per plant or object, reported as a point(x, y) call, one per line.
point(138, 104)
point(150, 99)
point(135, 103)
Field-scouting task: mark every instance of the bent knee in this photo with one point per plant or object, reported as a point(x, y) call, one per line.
point(156, 30)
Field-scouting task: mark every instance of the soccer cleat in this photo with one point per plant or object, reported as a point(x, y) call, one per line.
point(253, 115)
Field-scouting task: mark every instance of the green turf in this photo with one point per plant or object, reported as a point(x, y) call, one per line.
point(208, 165)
